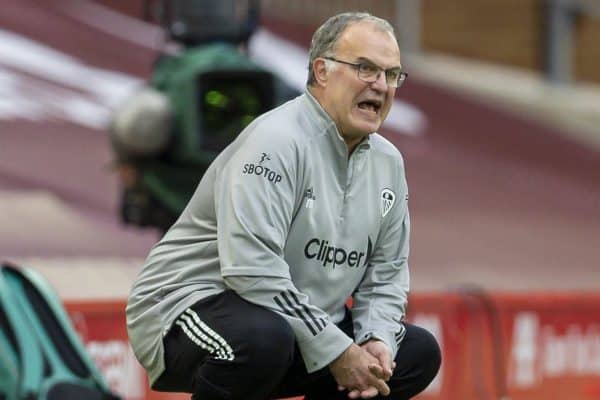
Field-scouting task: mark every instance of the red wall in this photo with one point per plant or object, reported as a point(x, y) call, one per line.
point(523, 346)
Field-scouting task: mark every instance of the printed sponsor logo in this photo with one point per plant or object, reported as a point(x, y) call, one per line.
point(540, 351)
point(260, 170)
point(388, 198)
point(327, 254)
point(264, 157)
point(267, 173)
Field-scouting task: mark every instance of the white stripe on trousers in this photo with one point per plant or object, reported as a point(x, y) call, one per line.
point(195, 333)
point(202, 335)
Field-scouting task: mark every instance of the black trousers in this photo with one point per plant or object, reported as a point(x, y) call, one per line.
point(224, 347)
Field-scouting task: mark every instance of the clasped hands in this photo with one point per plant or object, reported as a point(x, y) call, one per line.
point(364, 370)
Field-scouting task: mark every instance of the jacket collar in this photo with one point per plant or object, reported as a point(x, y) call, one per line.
point(323, 122)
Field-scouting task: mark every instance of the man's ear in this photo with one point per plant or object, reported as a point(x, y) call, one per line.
point(320, 71)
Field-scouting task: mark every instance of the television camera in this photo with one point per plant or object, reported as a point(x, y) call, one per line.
point(195, 103)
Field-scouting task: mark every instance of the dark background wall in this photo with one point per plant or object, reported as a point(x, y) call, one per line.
point(510, 32)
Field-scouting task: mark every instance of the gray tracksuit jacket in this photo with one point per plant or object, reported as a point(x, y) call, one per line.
point(288, 221)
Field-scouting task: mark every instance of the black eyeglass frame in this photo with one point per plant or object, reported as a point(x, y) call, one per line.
point(357, 66)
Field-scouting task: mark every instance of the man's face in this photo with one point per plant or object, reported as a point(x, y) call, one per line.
point(359, 108)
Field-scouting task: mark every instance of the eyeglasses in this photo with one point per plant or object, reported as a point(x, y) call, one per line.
point(369, 72)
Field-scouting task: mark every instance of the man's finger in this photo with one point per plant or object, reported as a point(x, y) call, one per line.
point(354, 394)
point(388, 373)
point(369, 393)
point(387, 363)
point(379, 372)
point(376, 370)
point(381, 386)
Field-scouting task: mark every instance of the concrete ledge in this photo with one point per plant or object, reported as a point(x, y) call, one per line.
point(575, 108)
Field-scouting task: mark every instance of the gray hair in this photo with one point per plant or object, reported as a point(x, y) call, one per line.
point(326, 37)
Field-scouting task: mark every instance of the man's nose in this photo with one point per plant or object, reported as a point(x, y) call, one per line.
point(381, 82)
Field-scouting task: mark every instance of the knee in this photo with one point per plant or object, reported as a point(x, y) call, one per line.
point(429, 353)
point(270, 341)
point(417, 363)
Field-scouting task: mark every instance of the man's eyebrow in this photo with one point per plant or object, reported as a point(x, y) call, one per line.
point(365, 59)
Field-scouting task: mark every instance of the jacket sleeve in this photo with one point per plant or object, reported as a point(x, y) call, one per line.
point(379, 303)
point(256, 194)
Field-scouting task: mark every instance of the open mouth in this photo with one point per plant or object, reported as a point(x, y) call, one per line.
point(370, 105)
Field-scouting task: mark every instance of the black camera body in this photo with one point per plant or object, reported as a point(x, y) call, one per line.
point(196, 22)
